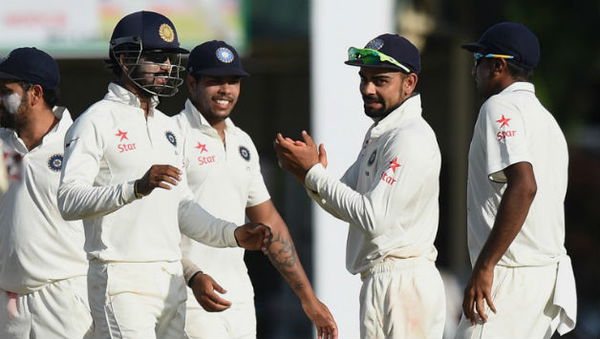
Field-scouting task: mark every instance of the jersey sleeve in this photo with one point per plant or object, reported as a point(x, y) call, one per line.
point(505, 137)
point(78, 197)
point(401, 172)
point(198, 224)
point(257, 192)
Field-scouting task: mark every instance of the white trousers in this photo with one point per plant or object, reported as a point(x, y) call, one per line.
point(58, 311)
point(137, 300)
point(236, 322)
point(524, 308)
point(402, 298)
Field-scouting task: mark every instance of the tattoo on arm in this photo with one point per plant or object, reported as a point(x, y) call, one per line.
point(285, 259)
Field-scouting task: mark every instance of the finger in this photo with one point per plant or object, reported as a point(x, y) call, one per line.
point(307, 139)
point(334, 333)
point(168, 179)
point(468, 305)
point(217, 300)
point(490, 303)
point(211, 306)
point(218, 287)
point(480, 308)
point(163, 185)
point(320, 333)
point(173, 172)
point(322, 155)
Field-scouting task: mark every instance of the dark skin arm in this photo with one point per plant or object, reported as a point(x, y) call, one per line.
point(514, 207)
point(283, 256)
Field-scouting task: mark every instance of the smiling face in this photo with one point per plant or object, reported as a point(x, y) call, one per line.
point(384, 90)
point(214, 97)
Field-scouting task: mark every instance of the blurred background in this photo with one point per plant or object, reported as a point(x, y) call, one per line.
point(295, 50)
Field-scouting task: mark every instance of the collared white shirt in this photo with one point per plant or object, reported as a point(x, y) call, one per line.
point(110, 146)
point(389, 196)
point(225, 179)
point(37, 246)
point(514, 127)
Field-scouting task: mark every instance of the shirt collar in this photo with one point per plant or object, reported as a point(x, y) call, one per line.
point(409, 109)
point(120, 94)
point(519, 86)
point(198, 121)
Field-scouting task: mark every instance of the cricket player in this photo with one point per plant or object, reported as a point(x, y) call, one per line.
point(43, 268)
point(223, 171)
point(522, 285)
point(389, 196)
point(122, 176)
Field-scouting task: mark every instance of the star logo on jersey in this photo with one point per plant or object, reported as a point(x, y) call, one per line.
point(201, 147)
point(394, 164)
point(122, 135)
point(503, 121)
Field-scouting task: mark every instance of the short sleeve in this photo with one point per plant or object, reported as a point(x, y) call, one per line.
point(505, 137)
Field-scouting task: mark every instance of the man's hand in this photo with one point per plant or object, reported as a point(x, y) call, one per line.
point(478, 292)
point(319, 314)
point(163, 176)
point(204, 287)
point(299, 156)
point(254, 236)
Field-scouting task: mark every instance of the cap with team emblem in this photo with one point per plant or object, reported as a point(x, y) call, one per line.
point(215, 58)
point(153, 30)
point(387, 51)
point(31, 65)
point(510, 39)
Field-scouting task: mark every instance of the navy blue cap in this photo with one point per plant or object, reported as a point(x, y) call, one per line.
point(31, 65)
point(509, 38)
point(215, 58)
point(395, 46)
point(153, 30)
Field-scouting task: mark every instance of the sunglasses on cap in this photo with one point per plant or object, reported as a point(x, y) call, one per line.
point(478, 56)
point(373, 57)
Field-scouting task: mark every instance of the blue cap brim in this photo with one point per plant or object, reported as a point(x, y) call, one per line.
point(222, 72)
point(474, 47)
point(8, 76)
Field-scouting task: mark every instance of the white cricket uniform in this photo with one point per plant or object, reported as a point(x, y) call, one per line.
point(534, 287)
point(43, 292)
point(389, 196)
point(225, 179)
point(135, 279)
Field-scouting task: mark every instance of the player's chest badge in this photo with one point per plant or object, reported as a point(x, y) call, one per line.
point(372, 158)
point(171, 138)
point(55, 162)
point(244, 153)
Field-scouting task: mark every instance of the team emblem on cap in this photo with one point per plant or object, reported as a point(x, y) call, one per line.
point(166, 33)
point(224, 54)
point(55, 162)
point(245, 153)
point(372, 158)
point(171, 137)
point(375, 44)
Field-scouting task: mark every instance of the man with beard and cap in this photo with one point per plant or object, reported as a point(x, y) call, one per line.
point(43, 268)
point(121, 176)
point(389, 196)
point(223, 171)
point(522, 285)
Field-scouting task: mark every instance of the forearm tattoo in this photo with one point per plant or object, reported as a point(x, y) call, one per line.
point(285, 259)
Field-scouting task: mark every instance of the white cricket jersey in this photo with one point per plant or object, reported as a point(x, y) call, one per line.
point(514, 127)
point(37, 246)
point(390, 194)
point(110, 146)
point(225, 179)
